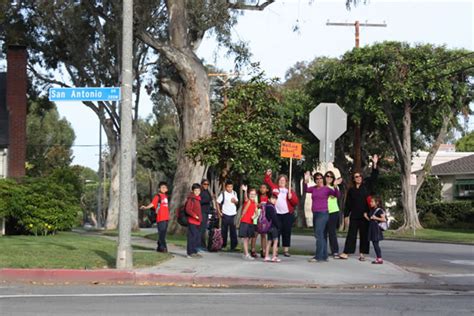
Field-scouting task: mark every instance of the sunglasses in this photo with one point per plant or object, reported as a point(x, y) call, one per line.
point(328, 176)
point(358, 176)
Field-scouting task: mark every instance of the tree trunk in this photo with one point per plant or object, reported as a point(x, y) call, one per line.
point(113, 208)
point(411, 221)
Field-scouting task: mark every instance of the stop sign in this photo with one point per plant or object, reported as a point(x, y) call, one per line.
point(327, 122)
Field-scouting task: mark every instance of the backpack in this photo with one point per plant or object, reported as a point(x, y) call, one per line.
point(263, 224)
point(182, 216)
point(215, 241)
point(383, 225)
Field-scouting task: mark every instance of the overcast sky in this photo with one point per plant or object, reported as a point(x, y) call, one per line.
point(277, 47)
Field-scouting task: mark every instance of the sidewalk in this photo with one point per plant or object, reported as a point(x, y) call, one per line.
point(227, 269)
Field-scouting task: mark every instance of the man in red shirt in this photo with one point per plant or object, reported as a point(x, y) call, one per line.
point(160, 204)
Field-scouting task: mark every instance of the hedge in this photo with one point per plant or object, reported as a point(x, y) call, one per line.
point(447, 214)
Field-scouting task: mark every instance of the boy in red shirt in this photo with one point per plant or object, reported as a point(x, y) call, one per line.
point(160, 204)
point(193, 211)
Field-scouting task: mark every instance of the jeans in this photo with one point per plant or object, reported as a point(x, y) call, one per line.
point(162, 228)
point(228, 224)
point(320, 220)
point(193, 239)
point(331, 232)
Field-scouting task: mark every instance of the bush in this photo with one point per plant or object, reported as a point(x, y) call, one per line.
point(447, 214)
point(38, 206)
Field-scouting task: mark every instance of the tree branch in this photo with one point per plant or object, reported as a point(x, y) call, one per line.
point(237, 5)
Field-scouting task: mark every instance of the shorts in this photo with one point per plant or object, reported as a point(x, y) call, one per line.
point(272, 233)
point(246, 230)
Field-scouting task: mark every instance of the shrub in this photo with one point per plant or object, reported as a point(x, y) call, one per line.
point(38, 206)
point(448, 214)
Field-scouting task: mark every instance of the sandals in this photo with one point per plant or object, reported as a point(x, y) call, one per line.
point(361, 258)
point(343, 256)
point(286, 254)
point(276, 259)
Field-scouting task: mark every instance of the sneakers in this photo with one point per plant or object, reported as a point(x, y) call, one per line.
point(248, 257)
point(378, 261)
point(196, 256)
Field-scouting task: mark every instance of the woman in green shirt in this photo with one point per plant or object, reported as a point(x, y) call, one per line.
point(333, 222)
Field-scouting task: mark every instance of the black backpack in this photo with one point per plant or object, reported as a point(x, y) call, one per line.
point(182, 216)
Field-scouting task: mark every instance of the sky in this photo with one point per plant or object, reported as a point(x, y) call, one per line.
point(275, 45)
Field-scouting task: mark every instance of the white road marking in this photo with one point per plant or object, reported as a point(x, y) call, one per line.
point(463, 262)
point(454, 275)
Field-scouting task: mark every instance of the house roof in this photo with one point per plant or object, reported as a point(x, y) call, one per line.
point(464, 165)
point(3, 111)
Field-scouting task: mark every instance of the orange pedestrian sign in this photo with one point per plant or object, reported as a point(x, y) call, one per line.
point(291, 150)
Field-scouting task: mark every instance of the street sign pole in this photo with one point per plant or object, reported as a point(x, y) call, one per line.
point(124, 249)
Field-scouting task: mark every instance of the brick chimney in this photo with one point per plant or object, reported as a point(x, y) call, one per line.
point(16, 105)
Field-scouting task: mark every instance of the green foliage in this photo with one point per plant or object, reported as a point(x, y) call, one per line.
point(448, 214)
point(49, 138)
point(466, 143)
point(39, 205)
point(430, 191)
point(247, 134)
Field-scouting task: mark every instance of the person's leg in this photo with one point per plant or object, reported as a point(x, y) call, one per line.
point(275, 249)
point(158, 245)
point(263, 243)
point(233, 233)
point(377, 249)
point(203, 230)
point(325, 217)
point(320, 225)
point(253, 244)
point(287, 224)
point(332, 232)
point(245, 242)
point(225, 227)
point(364, 245)
point(189, 241)
point(267, 249)
point(315, 236)
point(162, 229)
point(351, 238)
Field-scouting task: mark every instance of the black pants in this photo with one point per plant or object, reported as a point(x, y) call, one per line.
point(162, 228)
point(331, 232)
point(360, 225)
point(228, 226)
point(378, 251)
point(193, 239)
point(203, 229)
point(286, 223)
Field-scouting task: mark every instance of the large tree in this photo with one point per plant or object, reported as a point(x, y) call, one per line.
point(466, 143)
point(408, 90)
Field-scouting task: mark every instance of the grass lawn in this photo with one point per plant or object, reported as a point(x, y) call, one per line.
point(68, 250)
point(427, 234)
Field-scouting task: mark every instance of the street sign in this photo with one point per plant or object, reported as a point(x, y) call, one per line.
point(291, 150)
point(85, 94)
point(327, 122)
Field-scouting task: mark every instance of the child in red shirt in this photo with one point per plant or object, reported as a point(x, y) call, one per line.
point(160, 204)
point(247, 230)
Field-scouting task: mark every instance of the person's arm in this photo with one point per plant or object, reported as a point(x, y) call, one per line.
point(307, 189)
point(380, 218)
point(293, 199)
point(190, 209)
point(372, 179)
point(244, 189)
point(246, 207)
point(153, 204)
point(347, 208)
point(268, 179)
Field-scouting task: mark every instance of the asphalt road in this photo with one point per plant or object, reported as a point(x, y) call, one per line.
point(441, 263)
point(119, 300)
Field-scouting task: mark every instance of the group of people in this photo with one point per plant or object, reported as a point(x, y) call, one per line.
point(269, 213)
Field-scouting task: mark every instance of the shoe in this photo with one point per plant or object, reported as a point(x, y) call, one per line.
point(248, 257)
point(286, 254)
point(378, 261)
point(189, 257)
point(343, 256)
point(262, 255)
point(361, 258)
point(276, 259)
point(196, 256)
point(267, 259)
point(312, 260)
point(254, 254)
point(336, 256)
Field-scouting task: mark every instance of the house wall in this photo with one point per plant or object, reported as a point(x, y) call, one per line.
point(447, 191)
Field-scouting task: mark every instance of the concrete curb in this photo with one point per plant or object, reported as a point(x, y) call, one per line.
point(109, 276)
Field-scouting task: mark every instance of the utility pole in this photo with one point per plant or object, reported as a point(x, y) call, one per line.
point(124, 249)
point(225, 81)
point(357, 136)
point(99, 193)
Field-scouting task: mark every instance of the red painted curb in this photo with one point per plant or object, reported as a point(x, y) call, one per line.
point(130, 277)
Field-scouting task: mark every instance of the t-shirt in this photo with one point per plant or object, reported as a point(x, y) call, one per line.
point(282, 204)
point(228, 208)
point(333, 206)
point(160, 203)
point(263, 199)
point(247, 217)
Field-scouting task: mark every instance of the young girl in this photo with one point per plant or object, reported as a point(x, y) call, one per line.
point(263, 199)
point(270, 213)
point(376, 215)
point(246, 229)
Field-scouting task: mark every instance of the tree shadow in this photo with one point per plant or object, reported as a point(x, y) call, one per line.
point(68, 247)
point(107, 257)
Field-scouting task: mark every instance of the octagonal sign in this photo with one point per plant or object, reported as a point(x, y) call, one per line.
point(327, 122)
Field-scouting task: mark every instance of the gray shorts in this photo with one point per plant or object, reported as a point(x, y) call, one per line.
point(272, 233)
point(246, 230)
